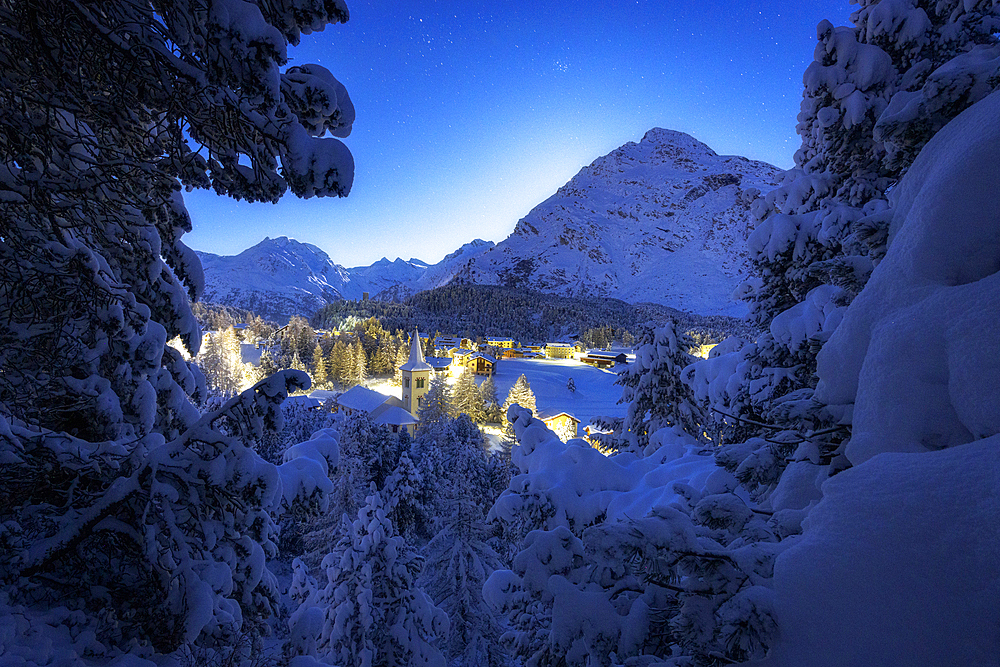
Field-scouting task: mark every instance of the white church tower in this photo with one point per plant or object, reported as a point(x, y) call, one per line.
point(416, 376)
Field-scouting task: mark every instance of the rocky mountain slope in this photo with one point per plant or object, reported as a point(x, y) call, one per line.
point(664, 220)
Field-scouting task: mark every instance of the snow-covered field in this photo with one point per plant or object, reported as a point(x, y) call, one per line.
point(595, 395)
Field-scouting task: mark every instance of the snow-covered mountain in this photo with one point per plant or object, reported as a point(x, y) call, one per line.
point(281, 277)
point(664, 220)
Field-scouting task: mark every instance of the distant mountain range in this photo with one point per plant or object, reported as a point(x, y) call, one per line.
point(663, 220)
point(281, 277)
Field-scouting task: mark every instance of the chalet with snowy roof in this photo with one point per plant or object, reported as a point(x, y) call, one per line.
point(303, 401)
point(559, 350)
point(562, 424)
point(448, 342)
point(481, 364)
point(604, 359)
point(442, 365)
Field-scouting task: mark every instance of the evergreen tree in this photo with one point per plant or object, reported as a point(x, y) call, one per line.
point(652, 386)
point(466, 398)
point(221, 362)
point(459, 561)
point(385, 355)
point(436, 404)
point(337, 362)
point(375, 614)
point(491, 405)
point(296, 363)
point(519, 394)
point(874, 95)
point(404, 491)
point(571, 385)
point(319, 376)
point(299, 337)
point(402, 356)
point(268, 366)
point(128, 516)
point(359, 364)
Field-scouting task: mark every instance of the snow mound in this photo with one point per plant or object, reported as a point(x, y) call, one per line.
point(914, 363)
point(899, 564)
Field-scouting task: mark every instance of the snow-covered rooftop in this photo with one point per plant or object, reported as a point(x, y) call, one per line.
point(361, 398)
point(393, 416)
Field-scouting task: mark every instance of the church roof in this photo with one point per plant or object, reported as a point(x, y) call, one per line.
point(416, 361)
point(361, 398)
point(393, 416)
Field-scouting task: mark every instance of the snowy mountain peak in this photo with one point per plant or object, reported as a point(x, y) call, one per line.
point(662, 220)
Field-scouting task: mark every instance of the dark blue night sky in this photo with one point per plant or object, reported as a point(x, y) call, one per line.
point(470, 115)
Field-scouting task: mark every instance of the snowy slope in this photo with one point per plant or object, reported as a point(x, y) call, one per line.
point(281, 277)
point(664, 220)
point(276, 278)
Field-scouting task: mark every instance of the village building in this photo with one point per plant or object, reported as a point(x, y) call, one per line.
point(447, 342)
point(495, 341)
point(381, 409)
point(562, 424)
point(443, 365)
point(481, 364)
point(559, 350)
point(604, 359)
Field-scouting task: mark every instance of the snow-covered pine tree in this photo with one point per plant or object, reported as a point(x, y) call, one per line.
point(466, 398)
point(337, 362)
point(319, 376)
point(875, 94)
point(222, 363)
point(520, 394)
point(375, 614)
point(436, 404)
point(121, 504)
point(402, 356)
point(459, 561)
point(359, 364)
point(653, 390)
point(491, 404)
point(404, 493)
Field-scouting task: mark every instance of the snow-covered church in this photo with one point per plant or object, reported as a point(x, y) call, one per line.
point(389, 410)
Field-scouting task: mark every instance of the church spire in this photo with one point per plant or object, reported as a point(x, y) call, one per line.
point(416, 361)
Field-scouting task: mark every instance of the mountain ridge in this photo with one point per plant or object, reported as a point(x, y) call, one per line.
point(662, 220)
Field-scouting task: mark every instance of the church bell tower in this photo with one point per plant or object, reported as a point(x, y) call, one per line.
point(416, 375)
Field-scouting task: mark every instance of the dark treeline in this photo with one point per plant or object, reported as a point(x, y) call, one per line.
point(485, 310)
